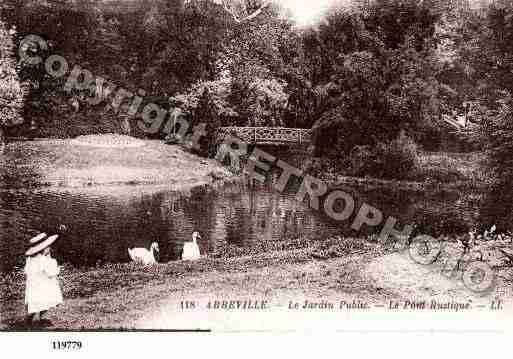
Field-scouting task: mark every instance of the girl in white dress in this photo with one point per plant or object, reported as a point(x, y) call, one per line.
point(42, 290)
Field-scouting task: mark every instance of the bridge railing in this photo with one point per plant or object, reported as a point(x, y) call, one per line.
point(267, 135)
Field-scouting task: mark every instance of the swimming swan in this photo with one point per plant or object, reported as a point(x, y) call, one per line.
point(191, 250)
point(143, 255)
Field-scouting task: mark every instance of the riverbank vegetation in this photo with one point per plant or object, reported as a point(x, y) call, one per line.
point(454, 170)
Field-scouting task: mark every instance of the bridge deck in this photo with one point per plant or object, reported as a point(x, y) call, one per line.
point(267, 135)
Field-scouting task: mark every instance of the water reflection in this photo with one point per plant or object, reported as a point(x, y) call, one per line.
point(102, 225)
point(100, 228)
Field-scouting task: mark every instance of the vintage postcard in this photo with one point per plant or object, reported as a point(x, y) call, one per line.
point(255, 166)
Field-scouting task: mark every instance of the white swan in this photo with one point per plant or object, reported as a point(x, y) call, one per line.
point(191, 250)
point(143, 255)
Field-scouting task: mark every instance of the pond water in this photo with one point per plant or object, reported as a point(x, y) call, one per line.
point(102, 225)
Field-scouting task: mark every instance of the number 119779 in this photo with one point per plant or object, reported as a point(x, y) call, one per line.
point(66, 345)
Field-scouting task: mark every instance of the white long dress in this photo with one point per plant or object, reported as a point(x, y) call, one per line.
point(42, 290)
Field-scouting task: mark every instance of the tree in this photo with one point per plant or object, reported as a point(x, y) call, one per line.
point(398, 20)
point(242, 10)
point(207, 116)
point(498, 130)
point(380, 71)
point(12, 93)
point(258, 59)
point(266, 102)
point(499, 134)
point(218, 94)
point(189, 42)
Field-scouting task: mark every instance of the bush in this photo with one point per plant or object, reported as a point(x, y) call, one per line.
point(400, 156)
point(441, 174)
point(397, 159)
point(12, 93)
point(335, 134)
point(445, 167)
point(499, 135)
point(326, 168)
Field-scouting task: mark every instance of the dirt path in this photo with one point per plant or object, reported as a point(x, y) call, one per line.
point(374, 281)
point(130, 296)
point(316, 281)
point(399, 272)
point(150, 298)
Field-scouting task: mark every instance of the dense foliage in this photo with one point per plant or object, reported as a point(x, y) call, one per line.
point(373, 79)
point(499, 129)
point(11, 91)
point(381, 80)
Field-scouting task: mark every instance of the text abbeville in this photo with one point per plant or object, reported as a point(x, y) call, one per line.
point(238, 304)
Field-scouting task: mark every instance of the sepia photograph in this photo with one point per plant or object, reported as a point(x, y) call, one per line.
point(255, 166)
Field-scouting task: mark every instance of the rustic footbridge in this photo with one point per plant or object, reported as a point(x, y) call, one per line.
point(279, 136)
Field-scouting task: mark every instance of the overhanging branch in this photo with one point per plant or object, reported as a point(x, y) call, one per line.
point(250, 16)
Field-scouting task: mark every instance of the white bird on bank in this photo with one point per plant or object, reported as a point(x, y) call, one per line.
point(143, 255)
point(191, 250)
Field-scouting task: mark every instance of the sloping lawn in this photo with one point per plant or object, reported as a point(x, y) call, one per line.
point(107, 160)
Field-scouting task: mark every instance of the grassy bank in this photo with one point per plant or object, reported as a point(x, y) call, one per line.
point(118, 295)
point(432, 171)
point(129, 295)
point(105, 160)
point(445, 167)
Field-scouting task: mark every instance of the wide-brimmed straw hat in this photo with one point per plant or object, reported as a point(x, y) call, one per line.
point(41, 245)
point(37, 238)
